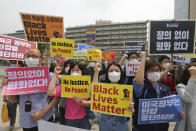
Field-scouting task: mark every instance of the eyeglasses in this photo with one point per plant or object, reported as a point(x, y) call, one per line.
point(33, 56)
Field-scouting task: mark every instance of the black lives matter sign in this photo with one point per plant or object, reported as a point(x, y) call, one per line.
point(134, 47)
point(171, 37)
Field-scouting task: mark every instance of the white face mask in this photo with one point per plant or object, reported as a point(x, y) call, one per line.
point(91, 64)
point(166, 65)
point(76, 74)
point(114, 76)
point(154, 76)
point(67, 69)
point(32, 62)
point(134, 61)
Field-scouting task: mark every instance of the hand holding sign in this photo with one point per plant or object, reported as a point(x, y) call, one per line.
point(77, 99)
point(131, 107)
point(125, 56)
point(143, 55)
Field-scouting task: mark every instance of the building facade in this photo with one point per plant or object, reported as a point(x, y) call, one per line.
point(110, 36)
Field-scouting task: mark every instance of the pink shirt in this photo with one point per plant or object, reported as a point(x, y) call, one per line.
point(72, 109)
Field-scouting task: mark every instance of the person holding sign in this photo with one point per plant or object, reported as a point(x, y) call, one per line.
point(114, 75)
point(75, 113)
point(187, 90)
point(35, 106)
point(146, 85)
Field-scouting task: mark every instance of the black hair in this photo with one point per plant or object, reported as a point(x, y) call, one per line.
point(65, 64)
point(185, 76)
point(52, 67)
point(81, 66)
point(132, 53)
point(161, 58)
point(148, 65)
point(122, 77)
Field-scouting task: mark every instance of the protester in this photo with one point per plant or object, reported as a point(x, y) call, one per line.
point(113, 76)
point(168, 73)
point(41, 104)
point(75, 113)
point(187, 90)
point(146, 85)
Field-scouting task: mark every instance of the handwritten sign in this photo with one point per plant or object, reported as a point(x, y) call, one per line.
point(94, 55)
point(110, 55)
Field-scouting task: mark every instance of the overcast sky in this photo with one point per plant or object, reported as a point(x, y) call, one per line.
point(84, 12)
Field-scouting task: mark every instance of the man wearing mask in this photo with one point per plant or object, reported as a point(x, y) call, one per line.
point(167, 73)
point(41, 105)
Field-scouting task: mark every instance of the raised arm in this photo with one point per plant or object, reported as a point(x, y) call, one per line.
point(96, 74)
point(140, 72)
point(122, 59)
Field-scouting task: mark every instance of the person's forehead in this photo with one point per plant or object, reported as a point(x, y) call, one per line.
point(113, 67)
point(33, 51)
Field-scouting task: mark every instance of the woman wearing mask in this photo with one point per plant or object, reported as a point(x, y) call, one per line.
point(187, 90)
point(146, 85)
point(75, 113)
point(113, 76)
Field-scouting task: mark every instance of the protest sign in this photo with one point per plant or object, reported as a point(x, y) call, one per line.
point(188, 55)
point(131, 67)
point(76, 86)
point(168, 37)
point(134, 47)
point(177, 58)
point(111, 99)
point(94, 55)
point(65, 47)
point(13, 48)
point(160, 110)
point(110, 55)
point(79, 55)
point(26, 80)
point(40, 28)
point(84, 47)
point(49, 126)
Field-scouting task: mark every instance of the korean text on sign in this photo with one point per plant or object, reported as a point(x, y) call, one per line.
point(26, 80)
point(76, 86)
point(111, 99)
point(160, 110)
point(65, 47)
point(94, 55)
point(110, 55)
point(14, 48)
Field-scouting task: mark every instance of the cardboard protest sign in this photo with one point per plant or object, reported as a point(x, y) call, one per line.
point(49, 126)
point(26, 80)
point(109, 55)
point(76, 86)
point(131, 67)
point(168, 37)
point(65, 47)
point(160, 110)
point(94, 55)
point(40, 28)
point(13, 48)
point(84, 47)
point(111, 99)
point(134, 47)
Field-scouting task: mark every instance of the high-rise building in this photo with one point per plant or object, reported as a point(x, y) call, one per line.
point(109, 36)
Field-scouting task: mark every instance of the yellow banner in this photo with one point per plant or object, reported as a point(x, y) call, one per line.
point(76, 86)
point(188, 55)
point(111, 99)
point(80, 55)
point(94, 55)
point(65, 47)
point(40, 28)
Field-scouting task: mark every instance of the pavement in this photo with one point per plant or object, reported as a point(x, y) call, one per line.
point(5, 126)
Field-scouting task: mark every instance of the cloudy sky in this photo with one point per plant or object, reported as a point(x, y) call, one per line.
point(83, 12)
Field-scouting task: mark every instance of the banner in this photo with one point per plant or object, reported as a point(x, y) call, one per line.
point(84, 47)
point(76, 86)
point(79, 55)
point(40, 28)
point(26, 80)
point(134, 47)
point(109, 55)
point(177, 58)
point(188, 55)
point(168, 37)
point(65, 47)
point(13, 48)
point(160, 110)
point(131, 67)
point(94, 55)
point(111, 99)
point(49, 126)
